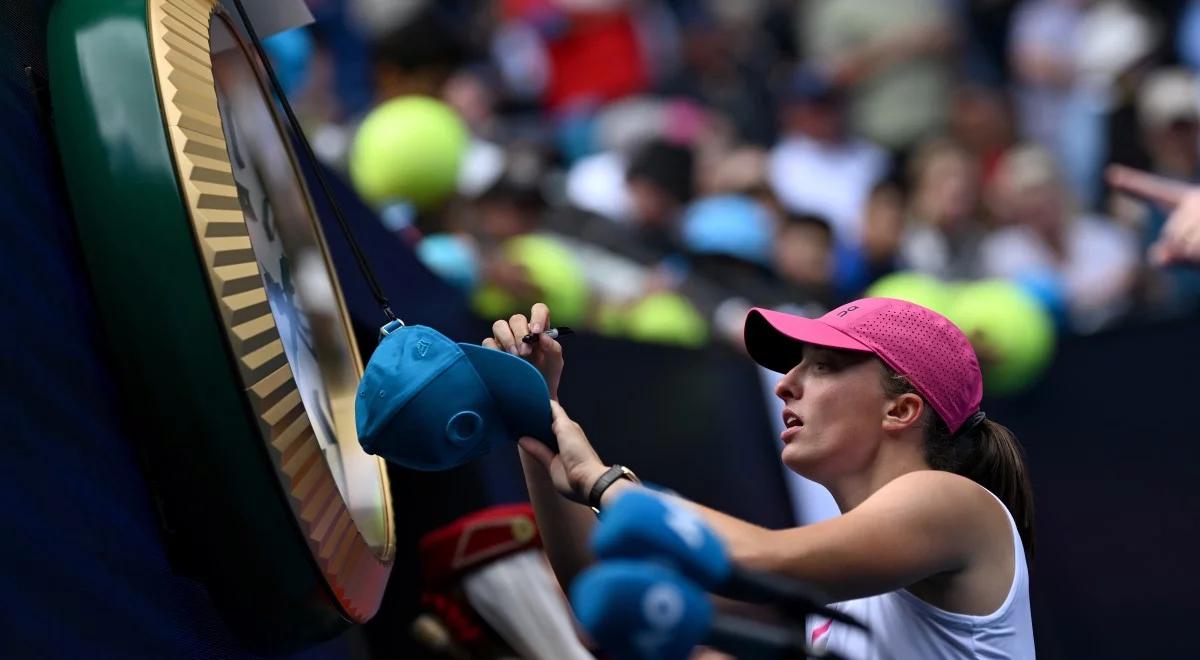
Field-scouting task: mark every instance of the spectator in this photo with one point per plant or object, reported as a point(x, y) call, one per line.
point(727, 68)
point(804, 259)
point(1168, 108)
point(1092, 261)
point(591, 49)
point(981, 120)
point(1170, 129)
point(509, 206)
point(819, 168)
point(892, 58)
point(1179, 243)
point(943, 235)
point(660, 179)
point(1044, 39)
point(416, 56)
point(857, 265)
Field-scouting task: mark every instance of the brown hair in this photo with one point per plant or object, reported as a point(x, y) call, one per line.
point(988, 454)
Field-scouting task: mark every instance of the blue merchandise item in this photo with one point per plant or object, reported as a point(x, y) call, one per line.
point(644, 525)
point(428, 403)
point(730, 225)
point(641, 611)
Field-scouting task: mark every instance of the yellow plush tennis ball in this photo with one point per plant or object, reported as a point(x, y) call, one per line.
point(552, 269)
point(408, 149)
point(1011, 331)
point(924, 290)
point(666, 318)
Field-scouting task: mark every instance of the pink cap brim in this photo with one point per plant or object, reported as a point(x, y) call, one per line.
point(773, 339)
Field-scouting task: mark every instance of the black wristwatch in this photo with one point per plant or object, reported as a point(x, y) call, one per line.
point(607, 479)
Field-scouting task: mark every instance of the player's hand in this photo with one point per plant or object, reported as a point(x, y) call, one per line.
point(576, 466)
point(545, 353)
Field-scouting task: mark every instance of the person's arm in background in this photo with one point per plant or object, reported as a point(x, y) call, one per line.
point(1179, 242)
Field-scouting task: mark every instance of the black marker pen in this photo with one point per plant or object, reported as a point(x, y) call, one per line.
point(553, 333)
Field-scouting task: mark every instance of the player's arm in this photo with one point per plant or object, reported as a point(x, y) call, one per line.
point(565, 525)
point(919, 525)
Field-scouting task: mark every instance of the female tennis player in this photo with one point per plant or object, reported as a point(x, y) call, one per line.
point(881, 406)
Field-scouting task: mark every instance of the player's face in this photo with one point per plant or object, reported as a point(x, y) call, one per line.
point(834, 407)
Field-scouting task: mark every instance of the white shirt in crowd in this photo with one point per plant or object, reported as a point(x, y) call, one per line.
point(829, 180)
point(1096, 274)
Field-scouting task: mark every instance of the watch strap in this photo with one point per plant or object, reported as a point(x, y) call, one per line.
point(610, 477)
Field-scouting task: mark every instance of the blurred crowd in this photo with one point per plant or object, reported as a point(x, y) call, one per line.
point(653, 168)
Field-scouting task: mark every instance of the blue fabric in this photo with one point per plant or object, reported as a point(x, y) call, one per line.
point(641, 610)
point(643, 526)
point(427, 403)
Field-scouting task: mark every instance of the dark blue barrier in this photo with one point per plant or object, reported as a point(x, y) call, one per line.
point(1114, 452)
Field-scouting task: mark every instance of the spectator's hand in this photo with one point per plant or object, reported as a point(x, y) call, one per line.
point(1179, 242)
point(576, 466)
point(545, 354)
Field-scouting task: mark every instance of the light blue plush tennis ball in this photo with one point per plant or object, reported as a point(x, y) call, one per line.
point(408, 149)
point(1013, 334)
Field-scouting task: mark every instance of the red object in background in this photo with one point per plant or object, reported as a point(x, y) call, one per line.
point(598, 60)
point(477, 539)
point(594, 56)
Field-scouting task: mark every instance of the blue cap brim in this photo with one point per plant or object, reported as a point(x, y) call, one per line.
point(520, 392)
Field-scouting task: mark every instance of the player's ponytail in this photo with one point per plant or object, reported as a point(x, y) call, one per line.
point(986, 453)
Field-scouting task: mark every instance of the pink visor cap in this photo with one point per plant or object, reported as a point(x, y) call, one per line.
point(916, 342)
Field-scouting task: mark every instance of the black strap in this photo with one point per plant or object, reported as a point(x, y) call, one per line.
point(607, 479)
point(363, 266)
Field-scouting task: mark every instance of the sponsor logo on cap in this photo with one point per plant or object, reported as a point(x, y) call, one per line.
point(847, 310)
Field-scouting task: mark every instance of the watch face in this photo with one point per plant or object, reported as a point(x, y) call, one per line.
point(300, 285)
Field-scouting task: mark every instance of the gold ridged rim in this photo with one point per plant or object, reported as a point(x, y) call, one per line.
point(180, 39)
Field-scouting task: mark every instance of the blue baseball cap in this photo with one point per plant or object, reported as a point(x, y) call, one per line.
point(428, 403)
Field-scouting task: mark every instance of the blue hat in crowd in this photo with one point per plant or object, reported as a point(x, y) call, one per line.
point(730, 225)
point(428, 403)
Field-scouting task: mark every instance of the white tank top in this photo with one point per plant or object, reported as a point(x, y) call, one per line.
point(904, 626)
